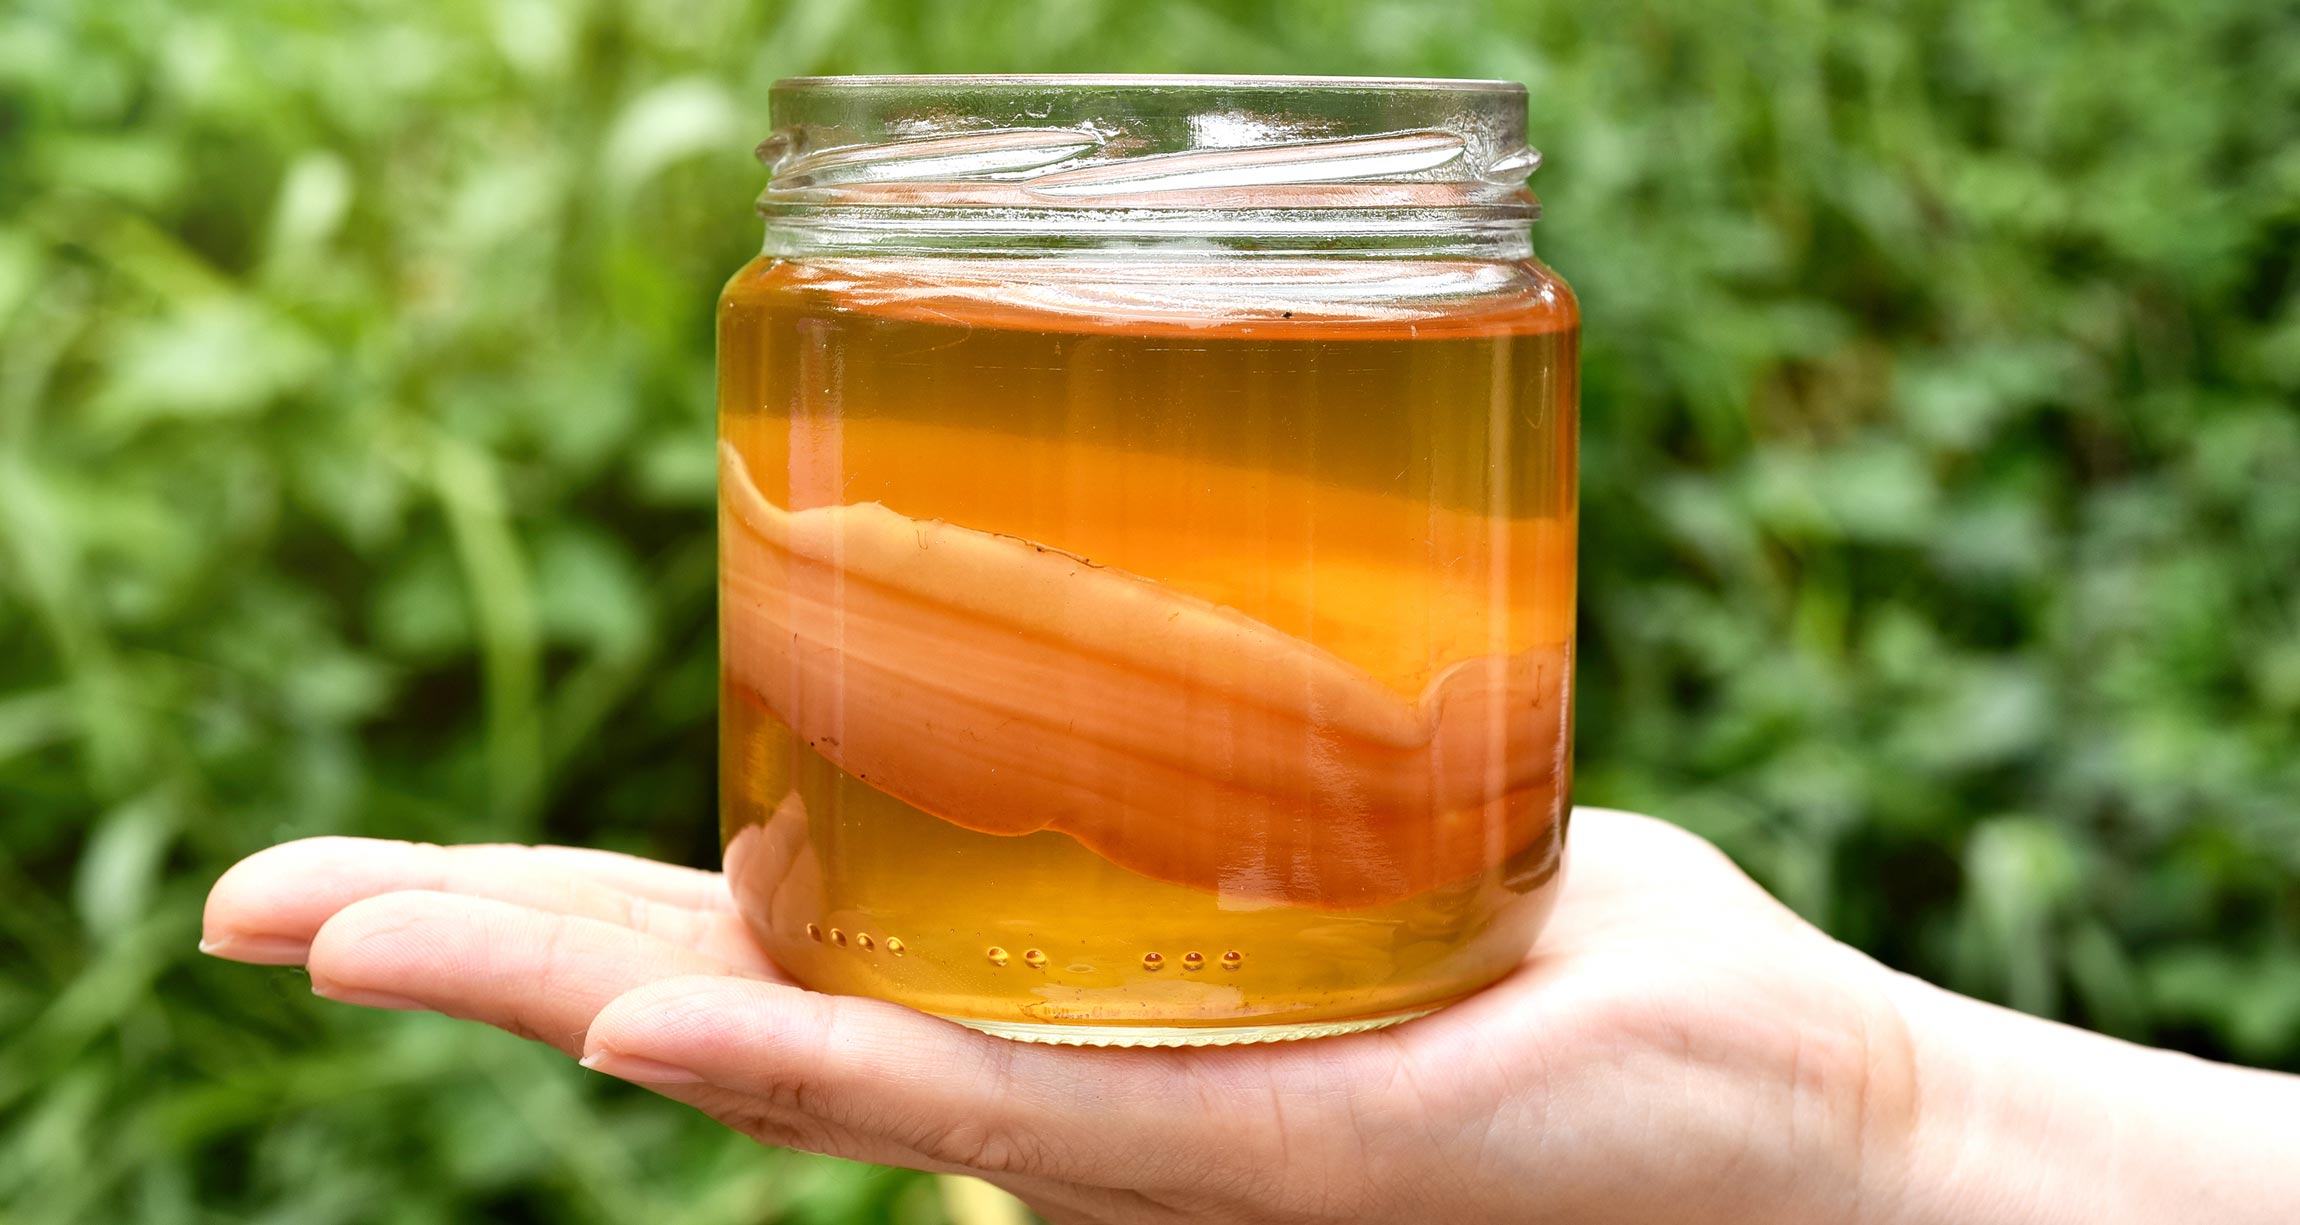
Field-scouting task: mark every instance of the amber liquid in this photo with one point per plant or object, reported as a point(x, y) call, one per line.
point(1143, 666)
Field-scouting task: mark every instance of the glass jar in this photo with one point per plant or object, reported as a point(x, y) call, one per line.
point(1147, 551)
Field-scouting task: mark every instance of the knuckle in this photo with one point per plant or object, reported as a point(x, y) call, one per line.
point(976, 1145)
point(791, 1095)
point(778, 1129)
point(519, 1026)
point(639, 914)
point(553, 952)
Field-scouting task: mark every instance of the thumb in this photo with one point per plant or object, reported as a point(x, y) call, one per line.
point(874, 1081)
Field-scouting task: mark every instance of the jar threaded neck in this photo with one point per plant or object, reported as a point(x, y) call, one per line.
point(1027, 164)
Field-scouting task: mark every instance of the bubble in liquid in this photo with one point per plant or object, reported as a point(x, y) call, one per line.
point(838, 938)
point(1034, 959)
point(894, 945)
point(1193, 961)
point(1153, 961)
point(814, 933)
point(1231, 959)
point(996, 954)
point(863, 939)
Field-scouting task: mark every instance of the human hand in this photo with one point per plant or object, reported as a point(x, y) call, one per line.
point(1678, 1047)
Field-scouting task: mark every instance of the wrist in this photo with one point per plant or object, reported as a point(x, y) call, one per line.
point(2022, 1121)
point(2018, 1121)
point(1964, 1145)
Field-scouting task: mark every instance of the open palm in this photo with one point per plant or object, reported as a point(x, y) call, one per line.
point(1677, 1037)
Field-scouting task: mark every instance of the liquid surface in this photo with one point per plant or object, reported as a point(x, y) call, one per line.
point(1115, 645)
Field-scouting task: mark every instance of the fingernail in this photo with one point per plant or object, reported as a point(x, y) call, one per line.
point(639, 1068)
point(258, 950)
point(368, 999)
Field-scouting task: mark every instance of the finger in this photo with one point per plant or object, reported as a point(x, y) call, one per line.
point(767, 1122)
point(538, 974)
point(267, 906)
point(872, 1077)
point(676, 884)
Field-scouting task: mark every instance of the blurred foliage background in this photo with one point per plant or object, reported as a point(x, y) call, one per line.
point(1942, 511)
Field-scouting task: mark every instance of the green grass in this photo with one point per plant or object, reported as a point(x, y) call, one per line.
point(1942, 511)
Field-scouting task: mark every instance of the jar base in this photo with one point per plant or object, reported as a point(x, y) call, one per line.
point(1183, 1035)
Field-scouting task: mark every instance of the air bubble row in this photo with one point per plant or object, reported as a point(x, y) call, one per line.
point(1034, 958)
point(1152, 961)
point(862, 940)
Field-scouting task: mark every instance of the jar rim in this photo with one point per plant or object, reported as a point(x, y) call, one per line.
point(1118, 161)
point(1124, 80)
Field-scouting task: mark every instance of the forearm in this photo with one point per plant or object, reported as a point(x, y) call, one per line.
point(2027, 1122)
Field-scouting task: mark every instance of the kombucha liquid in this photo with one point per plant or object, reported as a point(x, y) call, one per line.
point(1151, 667)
